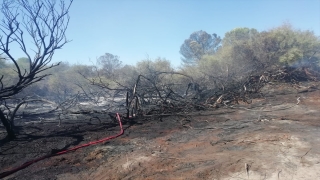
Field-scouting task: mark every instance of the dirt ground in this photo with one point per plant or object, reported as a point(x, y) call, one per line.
point(272, 138)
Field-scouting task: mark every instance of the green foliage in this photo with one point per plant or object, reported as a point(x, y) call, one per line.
point(246, 52)
point(234, 61)
point(293, 46)
point(69, 80)
point(239, 35)
point(8, 70)
point(147, 67)
point(9, 76)
point(109, 64)
point(243, 52)
point(199, 44)
point(193, 71)
point(127, 75)
point(291, 56)
point(158, 71)
point(65, 80)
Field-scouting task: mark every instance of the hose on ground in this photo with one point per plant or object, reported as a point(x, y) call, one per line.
point(7, 173)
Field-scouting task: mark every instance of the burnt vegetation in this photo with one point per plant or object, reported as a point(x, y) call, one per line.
point(215, 72)
point(45, 22)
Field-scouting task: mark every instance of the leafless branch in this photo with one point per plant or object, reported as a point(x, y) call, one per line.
point(45, 23)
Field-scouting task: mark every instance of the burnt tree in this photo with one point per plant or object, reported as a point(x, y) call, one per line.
point(45, 22)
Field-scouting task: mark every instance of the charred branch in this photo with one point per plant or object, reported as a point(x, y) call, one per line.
point(45, 24)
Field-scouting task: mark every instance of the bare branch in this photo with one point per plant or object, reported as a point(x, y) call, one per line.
point(45, 24)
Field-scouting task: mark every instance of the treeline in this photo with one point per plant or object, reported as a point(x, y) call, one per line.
point(246, 52)
point(67, 80)
point(208, 60)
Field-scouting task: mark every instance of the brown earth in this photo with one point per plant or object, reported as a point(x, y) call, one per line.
point(272, 138)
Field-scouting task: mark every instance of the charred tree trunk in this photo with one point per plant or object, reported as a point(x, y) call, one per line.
point(127, 104)
point(9, 128)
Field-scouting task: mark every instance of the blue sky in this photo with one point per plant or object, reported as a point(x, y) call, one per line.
point(137, 29)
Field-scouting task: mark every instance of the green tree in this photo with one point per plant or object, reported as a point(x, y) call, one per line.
point(287, 46)
point(198, 44)
point(127, 75)
point(234, 61)
point(109, 64)
point(296, 46)
point(239, 36)
point(66, 81)
point(156, 70)
point(246, 52)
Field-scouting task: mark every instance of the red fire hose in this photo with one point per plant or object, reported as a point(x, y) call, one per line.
point(7, 173)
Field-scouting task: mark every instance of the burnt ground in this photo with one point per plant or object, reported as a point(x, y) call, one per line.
point(272, 138)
